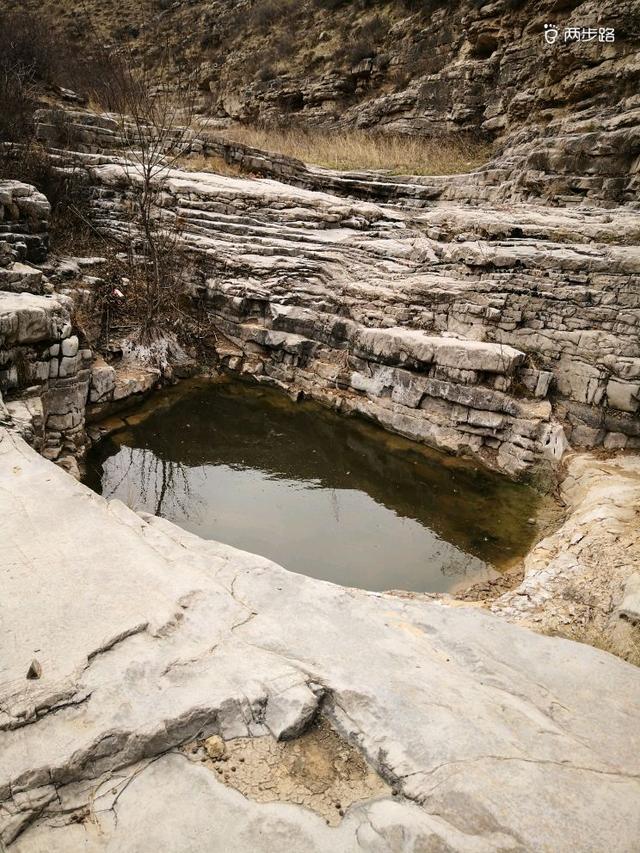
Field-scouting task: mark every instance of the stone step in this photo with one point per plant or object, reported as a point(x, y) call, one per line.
point(21, 278)
point(28, 318)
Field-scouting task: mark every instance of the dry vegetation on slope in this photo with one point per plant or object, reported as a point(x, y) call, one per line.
point(74, 57)
point(354, 150)
point(270, 60)
point(423, 68)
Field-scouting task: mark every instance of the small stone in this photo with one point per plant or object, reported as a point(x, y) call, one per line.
point(215, 747)
point(70, 347)
point(35, 670)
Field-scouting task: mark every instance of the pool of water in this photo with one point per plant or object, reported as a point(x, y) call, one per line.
point(332, 497)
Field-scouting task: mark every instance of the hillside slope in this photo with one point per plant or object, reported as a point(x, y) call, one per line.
point(421, 67)
point(427, 68)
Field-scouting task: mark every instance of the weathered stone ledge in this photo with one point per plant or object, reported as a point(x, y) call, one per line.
point(44, 373)
point(24, 217)
point(507, 334)
point(577, 579)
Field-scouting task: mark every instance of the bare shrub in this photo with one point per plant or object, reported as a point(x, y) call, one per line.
point(17, 96)
point(27, 60)
point(33, 59)
point(266, 13)
point(155, 121)
point(330, 5)
point(355, 53)
point(65, 190)
point(266, 73)
point(28, 46)
point(36, 59)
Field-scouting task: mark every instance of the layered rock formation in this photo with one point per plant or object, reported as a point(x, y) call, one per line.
point(44, 371)
point(144, 649)
point(158, 691)
point(579, 580)
point(51, 382)
point(45, 368)
point(24, 215)
point(502, 333)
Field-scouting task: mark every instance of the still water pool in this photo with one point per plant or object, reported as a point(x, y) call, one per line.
point(332, 497)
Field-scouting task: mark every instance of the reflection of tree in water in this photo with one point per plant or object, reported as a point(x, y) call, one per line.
point(155, 482)
point(335, 506)
point(460, 564)
point(455, 563)
point(257, 429)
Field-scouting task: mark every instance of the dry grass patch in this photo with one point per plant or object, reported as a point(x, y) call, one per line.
point(355, 150)
point(210, 163)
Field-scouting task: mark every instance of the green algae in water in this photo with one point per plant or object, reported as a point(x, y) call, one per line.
point(332, 497)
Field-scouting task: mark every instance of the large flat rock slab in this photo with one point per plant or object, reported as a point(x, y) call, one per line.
point(147, 638)
point(27, 317)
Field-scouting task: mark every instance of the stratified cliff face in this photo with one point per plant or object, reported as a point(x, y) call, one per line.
point(565, 115)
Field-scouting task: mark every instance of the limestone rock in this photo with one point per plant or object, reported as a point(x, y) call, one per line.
point(322, 295)
point(630, 605)
point(24, 216)
point(579, 579)
point(103, 380)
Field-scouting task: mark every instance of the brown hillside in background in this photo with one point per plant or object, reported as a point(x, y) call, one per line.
point(474, 71)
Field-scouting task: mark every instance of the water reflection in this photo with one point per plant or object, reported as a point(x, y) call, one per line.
point(327, 496)
point(161, 486)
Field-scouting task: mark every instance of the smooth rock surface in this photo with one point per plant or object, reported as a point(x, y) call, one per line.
point(630, 604)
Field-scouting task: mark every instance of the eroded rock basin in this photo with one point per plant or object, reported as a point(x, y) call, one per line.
point(331, 497)
point(152, 642)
